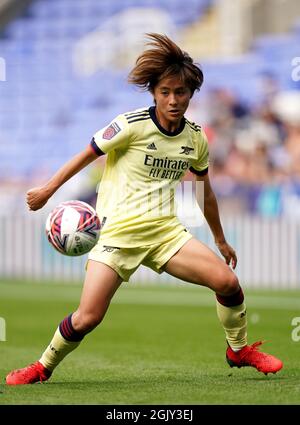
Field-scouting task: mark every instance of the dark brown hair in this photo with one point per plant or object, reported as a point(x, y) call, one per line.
point(164, 59)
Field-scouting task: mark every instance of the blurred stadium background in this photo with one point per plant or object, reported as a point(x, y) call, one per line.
point(63, 70)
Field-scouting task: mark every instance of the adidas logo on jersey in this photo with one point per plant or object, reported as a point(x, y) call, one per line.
point(152, 147)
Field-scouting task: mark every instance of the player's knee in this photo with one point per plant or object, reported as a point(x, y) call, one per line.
point(228, 284)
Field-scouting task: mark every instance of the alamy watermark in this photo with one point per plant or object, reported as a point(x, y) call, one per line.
point(2, 329)
point(156, 199)
point(296, 69)
point(2, 69)
point(296, 331)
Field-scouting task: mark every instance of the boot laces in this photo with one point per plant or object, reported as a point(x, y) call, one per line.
point(254, 349)
point(28, 372)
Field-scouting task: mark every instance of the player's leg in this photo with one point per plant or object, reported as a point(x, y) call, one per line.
point(196, 263)
point(101, 282)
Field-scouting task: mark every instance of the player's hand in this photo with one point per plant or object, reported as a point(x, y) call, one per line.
point(228, 253)
point(36, 198)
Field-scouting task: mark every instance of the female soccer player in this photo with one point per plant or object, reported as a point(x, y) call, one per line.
point(148, 152)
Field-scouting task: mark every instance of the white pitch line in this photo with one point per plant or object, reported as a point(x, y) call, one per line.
point(147, 297)
point(155, 296)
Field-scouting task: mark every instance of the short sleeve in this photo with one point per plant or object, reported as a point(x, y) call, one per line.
point(202, 162)
point(114, 136)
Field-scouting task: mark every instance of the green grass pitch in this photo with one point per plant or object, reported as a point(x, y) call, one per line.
point(156, 345)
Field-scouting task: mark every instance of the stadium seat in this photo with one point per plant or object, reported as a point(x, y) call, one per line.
point(45, 98)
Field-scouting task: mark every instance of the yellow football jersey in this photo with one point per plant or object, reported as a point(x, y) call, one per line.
point(144, 165)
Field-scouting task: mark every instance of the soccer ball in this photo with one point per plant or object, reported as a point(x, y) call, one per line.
point(73, 228)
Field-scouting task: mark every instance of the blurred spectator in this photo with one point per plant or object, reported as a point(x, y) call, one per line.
point(255, 152)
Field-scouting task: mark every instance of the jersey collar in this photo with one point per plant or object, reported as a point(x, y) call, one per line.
point(161, 129)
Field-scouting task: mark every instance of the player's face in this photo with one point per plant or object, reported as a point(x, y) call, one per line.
point(172, 100)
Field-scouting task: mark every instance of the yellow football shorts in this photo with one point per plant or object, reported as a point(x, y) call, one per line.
point(125, 261)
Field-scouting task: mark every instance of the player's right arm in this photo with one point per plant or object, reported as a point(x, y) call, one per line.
point(114, 136)
point(37, 197)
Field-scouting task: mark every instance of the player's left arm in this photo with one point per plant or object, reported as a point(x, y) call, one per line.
point(37, 197)
point(212, 216)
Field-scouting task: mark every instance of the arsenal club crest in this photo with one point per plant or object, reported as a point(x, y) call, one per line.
point(186, 150)
point(111, 131)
